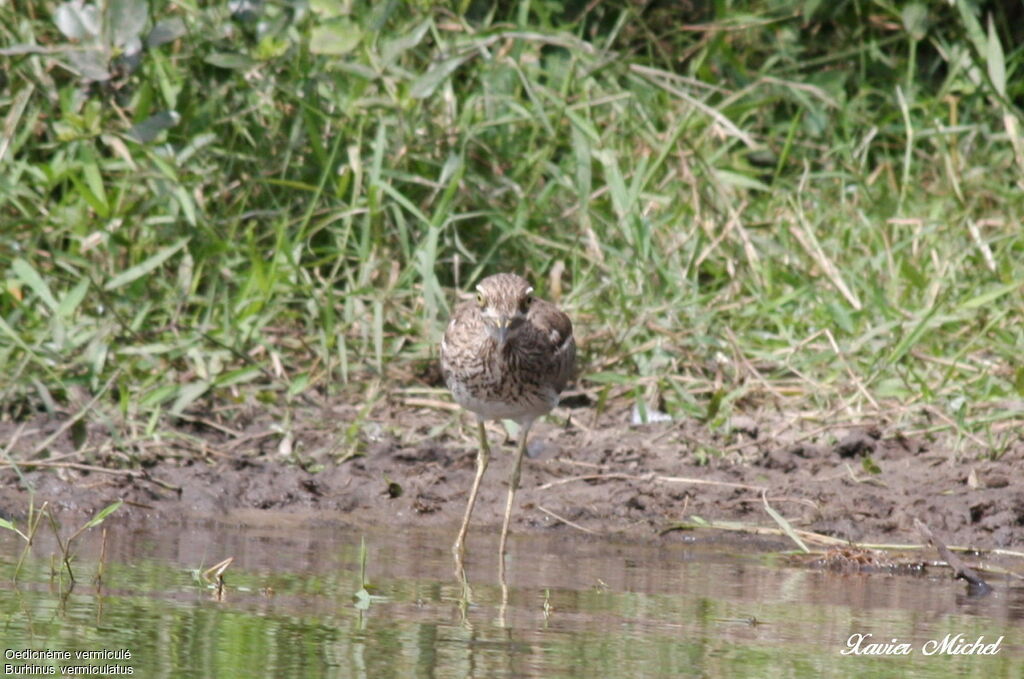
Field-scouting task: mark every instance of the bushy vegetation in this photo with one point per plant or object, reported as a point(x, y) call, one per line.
point(806, 206)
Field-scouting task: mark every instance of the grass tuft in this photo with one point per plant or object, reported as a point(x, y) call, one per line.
point(807, 206)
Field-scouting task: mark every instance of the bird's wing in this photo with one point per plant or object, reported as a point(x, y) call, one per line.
point(557, 329)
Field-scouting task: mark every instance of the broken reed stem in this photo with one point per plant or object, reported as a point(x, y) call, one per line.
point(103, 558)
point(431, 403)
point(62, 545)
point(134, 473)
point(566, 521)
point(647, 477)
point(828, 540)
point(960, 569)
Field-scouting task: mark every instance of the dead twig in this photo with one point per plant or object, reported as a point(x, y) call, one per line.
point(431, 403)
point(134, 473)
point(819, 538)
point(226, 448)
point(207, 422)
point(566, 521)
point(976, 584)
point(647, 477)
point(736, 526)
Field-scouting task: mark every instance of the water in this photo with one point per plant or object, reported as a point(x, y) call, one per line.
point(294, 605)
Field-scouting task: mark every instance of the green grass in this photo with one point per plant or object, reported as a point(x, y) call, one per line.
point(758, 206)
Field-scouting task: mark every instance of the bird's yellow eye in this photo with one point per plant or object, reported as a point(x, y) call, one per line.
point(481, 300)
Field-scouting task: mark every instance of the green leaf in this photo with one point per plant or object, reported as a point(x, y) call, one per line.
point(94, 180)
point(912, 274)
point(616, 182)
point(91, 63)
point(841, 317)
point(714, 405)
point(783, 524)
point(740, 180)
point(165, 31)
point(4, 523)
point(992, 295)
point(239, 376)
point(16, 338)
point(230, 60)
point(104, 513)
point(84, 189)
point(150, 128)
point(188, 206)
point(911, 338)
point(158, 396)
point(140, 270)
point(425, 85)
point(335, 37)
point(187, 394)
point(995, 60)
point(327, 8)
point(30, 277)
point(272, 47)
point(151, 349)
point(915, 20)
point(608, 378)
point(77, 21)
point(69, 303)
point(583, 170)
point(79, 434)
point(971, 25)
point(870, 466)
point(299, 384)
point(394, 48)
point(810, 7)
point(362, 599)
point(127, 20)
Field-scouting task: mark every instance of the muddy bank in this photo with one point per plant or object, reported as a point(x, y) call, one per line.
point(413, 464)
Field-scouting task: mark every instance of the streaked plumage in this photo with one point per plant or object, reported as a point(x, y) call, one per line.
point(506, 355)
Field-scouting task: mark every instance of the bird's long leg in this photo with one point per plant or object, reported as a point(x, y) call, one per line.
point(483, 456)
point(513, 483)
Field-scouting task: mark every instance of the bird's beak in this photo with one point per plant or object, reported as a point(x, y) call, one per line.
point(501, 327)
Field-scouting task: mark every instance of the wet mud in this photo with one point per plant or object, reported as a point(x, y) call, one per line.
point(410, 462)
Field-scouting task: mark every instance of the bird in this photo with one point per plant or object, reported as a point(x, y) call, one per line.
point(507, 355)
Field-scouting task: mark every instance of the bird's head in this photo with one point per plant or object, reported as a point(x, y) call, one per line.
point(504, 300)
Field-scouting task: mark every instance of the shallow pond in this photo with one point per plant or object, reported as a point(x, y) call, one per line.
point(294, 605)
